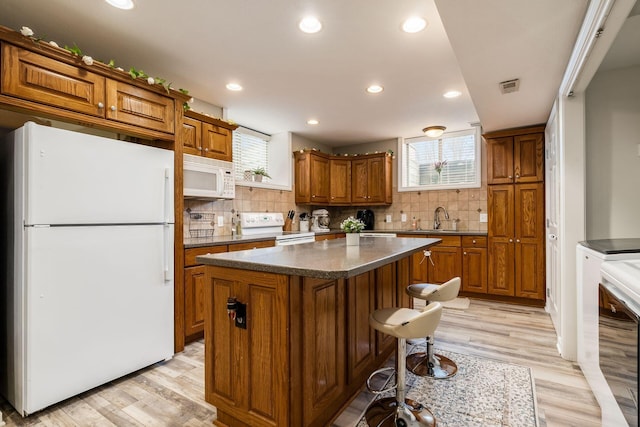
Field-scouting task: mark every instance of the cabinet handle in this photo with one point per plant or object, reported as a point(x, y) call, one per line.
point(510, 240)
point(313, 195)
point(206, 149)
point(112, 108)
point(199, 148)
point(474, 241)
point(510, 177)
point(100, 105)
point(517, 240)
point(464, 253)
point(517, 175)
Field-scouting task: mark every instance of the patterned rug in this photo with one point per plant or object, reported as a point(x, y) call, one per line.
point(484, 392)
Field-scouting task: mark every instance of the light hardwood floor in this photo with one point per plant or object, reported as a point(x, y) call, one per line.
point(171, 393)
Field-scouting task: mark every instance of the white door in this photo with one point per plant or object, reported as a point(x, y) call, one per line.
point(74, 178)
point(552, 190)
point(98, 306)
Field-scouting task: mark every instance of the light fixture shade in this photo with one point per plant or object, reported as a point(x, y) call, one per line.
point(434, 131)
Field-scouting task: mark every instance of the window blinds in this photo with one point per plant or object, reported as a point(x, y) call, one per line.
point(250, 151)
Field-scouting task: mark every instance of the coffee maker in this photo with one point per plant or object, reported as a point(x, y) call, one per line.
point(320, 220)
point(366, 216)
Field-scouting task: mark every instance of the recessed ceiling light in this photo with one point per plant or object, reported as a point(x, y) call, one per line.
point(121, 4)
point(452, 94)
point(234, 87)
point(312, 122)
point(310, 25)
point(375, 89)
point(414, 24)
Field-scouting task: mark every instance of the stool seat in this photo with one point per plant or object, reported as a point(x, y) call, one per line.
point(430, 292)
point(406, 323)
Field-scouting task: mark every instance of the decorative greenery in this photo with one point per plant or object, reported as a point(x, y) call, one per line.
point(438, 166)
point(352, 225)
point(260, 171)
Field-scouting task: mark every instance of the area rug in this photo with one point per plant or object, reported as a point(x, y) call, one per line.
point(458, 303)
point(484, 392)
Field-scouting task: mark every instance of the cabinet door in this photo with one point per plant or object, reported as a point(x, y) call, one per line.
point(447, 264)
point(376, 178)
point(361, 336)
point(386, 296)
point(217, 142)
point(319, 168)
point(474, 270)
point(530, 240)
point(302, 166)
point(139, 107)
point(359, 181)
point(37, 78)
point(192, 136)
point(419, 268)
point(501, 266)
point(500, 160)
point(340, 173)
point(528, 158)
point(501, 211)
point(194, 300)
point(251, 245)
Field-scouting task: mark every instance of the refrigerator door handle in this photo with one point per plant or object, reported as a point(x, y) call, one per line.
point(167, 253)
point(168, 194)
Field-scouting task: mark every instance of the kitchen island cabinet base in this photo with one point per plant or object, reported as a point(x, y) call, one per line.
point(307, 348)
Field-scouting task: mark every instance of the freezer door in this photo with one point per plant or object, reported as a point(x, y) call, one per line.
point(98, 306)
point(74, 178)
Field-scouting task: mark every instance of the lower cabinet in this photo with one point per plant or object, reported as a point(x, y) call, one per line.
point(474, 264)
point(194, 284)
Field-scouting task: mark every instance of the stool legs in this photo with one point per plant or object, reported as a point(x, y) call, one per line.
point(399, 411)
point(429, 364)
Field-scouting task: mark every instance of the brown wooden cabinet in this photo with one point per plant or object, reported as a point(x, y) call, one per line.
point(474, 264)
point(340, 181)
point(48, 81)
point(515, 156)
point(371, 180)
point(206, 136)
point(334, 180)
point(516, 240)
point(312, 177)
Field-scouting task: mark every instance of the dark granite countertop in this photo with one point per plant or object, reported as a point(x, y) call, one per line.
point(197, 242)
point(328, 259)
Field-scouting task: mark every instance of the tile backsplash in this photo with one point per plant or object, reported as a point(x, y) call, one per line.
point(463, 205)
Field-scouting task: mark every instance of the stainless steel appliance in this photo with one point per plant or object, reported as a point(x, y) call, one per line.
point(367, 217)
point(206, 178)
point(320, 220)
point(618, 330)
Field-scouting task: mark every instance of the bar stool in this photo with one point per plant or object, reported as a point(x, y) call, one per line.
point(427, 363)
point(402, 323)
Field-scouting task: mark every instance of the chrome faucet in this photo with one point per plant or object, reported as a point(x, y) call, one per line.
point(436, 219)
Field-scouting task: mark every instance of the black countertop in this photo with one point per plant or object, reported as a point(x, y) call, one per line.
point(613, 246)
point(327, 259)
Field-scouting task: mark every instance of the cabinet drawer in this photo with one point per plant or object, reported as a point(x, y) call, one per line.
point(252, 245)
point(191, 254)
point(446, 240)
point(474, 241)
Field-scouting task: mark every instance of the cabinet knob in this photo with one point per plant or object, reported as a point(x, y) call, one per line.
point(313, 195)
point(112, 108)
point(510, 177)
point(510, 240)
point(517, 175)
point(517, 240)
point(100, 105)
point(199, 148)
point(464, 253)
point(474, 241)
point(206, 149)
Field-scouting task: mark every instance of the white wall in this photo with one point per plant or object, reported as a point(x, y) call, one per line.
point(613, 160)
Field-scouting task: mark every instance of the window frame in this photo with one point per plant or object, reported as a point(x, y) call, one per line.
point(402, 173)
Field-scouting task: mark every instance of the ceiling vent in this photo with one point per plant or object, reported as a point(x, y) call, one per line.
point(509, 86)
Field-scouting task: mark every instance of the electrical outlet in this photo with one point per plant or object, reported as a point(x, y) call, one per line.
point(220, 221)
point(403, 218)
point(388, 219)
point(484, 218)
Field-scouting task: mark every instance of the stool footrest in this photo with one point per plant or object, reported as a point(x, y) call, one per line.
point(380, 371)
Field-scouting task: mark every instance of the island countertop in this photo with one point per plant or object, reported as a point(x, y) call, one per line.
point(328, 259)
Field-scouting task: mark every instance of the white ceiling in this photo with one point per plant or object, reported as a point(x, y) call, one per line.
point(290, 77)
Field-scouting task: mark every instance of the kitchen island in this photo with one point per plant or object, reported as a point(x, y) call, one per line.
point(298, 346)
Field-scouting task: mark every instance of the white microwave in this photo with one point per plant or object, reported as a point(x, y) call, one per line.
point(206, 178)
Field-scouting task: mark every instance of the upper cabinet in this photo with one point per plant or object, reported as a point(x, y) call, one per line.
point(312, 171)
point(515, 156)
point(338, 180)
point(51, 82)
point(207, 136)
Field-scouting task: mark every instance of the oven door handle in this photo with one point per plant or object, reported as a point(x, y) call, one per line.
point(632, 308)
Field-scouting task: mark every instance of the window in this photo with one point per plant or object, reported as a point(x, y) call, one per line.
point(253, 149)
point(450, 161)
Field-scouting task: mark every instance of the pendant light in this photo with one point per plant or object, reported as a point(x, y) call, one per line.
point(434, 131)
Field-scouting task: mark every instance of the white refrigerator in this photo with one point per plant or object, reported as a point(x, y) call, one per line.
point(87, 286)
